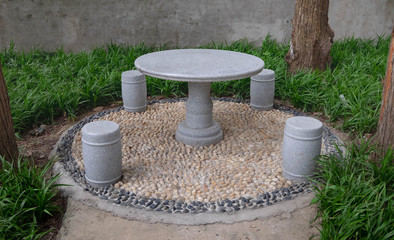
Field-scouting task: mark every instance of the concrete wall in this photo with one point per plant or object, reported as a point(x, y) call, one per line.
point(81, 24)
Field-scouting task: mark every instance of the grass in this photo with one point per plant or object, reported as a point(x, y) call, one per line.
point(355, 198)
point(356, 72)
point(25, 199)
point(43, 86)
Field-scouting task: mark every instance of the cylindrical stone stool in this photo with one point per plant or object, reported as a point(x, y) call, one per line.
point(301, 144)
point(134, 91)
point(102, 153)
point(262, 89)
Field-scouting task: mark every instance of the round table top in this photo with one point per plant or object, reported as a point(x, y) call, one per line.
point(199, 65)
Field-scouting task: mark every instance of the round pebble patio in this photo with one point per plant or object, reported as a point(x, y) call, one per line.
point(161, 174)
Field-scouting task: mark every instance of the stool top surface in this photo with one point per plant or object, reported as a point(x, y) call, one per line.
point(199, 65)
point(100, 132)
point(304, 127)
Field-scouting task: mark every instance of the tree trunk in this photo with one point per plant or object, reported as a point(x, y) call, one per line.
point(385, 135)
point(311, 38)
point(8, 146)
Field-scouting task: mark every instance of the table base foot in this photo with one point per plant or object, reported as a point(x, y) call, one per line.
point(199, 136)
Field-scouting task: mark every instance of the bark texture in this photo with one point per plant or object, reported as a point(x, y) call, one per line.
point(8, 146)
point(311, 37)
point(385, 135)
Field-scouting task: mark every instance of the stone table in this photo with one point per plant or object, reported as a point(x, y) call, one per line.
point(199, 67)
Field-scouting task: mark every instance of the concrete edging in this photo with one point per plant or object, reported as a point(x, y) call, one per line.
point(77, 193)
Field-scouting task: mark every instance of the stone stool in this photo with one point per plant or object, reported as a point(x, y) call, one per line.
point(134, 91)
point(301, 144)
point(102, 153)
point(262, 89)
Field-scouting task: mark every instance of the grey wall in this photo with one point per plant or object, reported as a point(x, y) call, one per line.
point(82, 24)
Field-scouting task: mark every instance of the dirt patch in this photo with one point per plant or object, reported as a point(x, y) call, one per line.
point(37, 143)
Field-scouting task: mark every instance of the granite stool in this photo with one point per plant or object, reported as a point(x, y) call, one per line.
point(102, 153)
point(262, 89)
point(301, 144)
point(134, 91)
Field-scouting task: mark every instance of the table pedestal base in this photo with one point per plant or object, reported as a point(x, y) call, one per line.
point(199, 137)
point(199, 128)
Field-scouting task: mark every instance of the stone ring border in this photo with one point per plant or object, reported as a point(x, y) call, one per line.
point(132, 206)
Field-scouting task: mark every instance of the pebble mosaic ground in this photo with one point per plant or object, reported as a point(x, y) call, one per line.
point(161, 174)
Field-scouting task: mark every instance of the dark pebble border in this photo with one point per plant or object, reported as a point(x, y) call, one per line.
point(122, 197)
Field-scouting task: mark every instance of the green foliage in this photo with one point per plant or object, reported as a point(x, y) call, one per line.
point(157, 87)
point(271, 52)
point(349, 91)
point(355, 198)
point(43, 86)
point(25, 199)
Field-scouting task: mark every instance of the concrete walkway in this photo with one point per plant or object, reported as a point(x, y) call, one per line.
point(84, 222)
